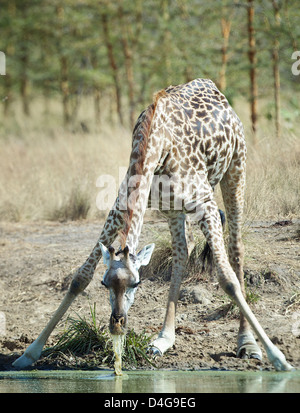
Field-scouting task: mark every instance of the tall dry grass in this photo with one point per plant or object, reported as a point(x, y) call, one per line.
point(273, 179)
point(49, 173)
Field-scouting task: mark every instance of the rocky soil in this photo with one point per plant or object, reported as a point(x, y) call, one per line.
point(37, 260)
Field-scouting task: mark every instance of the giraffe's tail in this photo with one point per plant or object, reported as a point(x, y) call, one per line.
point(206, 255)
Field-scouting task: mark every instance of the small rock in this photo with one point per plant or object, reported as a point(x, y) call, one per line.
point(196, 295)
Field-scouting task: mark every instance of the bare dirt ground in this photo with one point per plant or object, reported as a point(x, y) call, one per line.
point(38, 258)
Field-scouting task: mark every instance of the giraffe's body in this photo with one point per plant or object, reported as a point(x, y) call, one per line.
point(192, 139)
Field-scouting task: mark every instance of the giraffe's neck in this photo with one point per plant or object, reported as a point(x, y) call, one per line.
point(146, 152)
point(137, 220)
point(136, 202)
point(122, 219)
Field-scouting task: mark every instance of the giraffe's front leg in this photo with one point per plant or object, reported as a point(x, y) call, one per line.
point(166, 338)
point(34, 351)
point(80, 281)
point(164, 341)
point(247, 347)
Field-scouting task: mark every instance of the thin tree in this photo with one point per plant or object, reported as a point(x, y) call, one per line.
point(10, 55)
point(128, 55)
point(225, 30)
point(253, 70)
point(166, 40)
point(64, 66)
point(112, 62)
point(276, 74)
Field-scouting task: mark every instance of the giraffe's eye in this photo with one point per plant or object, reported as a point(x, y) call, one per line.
point(103, 283)
point(136, 284)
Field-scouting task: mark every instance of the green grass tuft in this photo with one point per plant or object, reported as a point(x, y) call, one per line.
point(82, 337)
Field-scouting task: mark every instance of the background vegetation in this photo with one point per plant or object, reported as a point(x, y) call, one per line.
point(79, 72)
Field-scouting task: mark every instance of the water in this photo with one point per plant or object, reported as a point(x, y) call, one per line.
point(118, 346)
point(104, 381)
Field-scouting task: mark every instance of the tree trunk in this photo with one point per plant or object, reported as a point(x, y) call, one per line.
point(64, 78)
point(188, 69)
point(24, 86)
point(128, 65)
point(276, 74)
point(252, 61)
point(10, 51)
point(113, 65)
point(225, 29)
point(166, 40)
point(64, 87)
point(96, 93)
point(290, 29)
point(24, 60)
point(7, 89)
point(97, 98)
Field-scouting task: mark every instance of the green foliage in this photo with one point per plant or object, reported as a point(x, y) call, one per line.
point(82, 336)
point(136, 346)
point(252, 296)
point(62, 48)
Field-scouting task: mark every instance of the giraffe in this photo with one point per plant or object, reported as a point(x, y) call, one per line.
point(188, 139)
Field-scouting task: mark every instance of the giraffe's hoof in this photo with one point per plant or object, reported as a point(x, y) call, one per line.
point(248, 348)
point(31, 355)
point(249, 351)
point(278, 359)
point(155, 352)
point(23, 362)
point(163, 342)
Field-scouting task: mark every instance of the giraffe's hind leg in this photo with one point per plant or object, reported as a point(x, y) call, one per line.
point(206, 255)
point(210, 224)
point(232, 186)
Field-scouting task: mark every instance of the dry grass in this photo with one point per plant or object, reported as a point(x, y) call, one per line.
point(49, 173)
point(273, 184)
point(52, 173)
point(161, 261)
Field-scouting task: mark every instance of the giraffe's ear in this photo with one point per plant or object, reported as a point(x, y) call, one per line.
point(105, 254)
point(145, 254)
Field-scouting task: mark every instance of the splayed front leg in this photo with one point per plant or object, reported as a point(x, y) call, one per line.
point(31, 355)
point(80, 281)
point(33, 352)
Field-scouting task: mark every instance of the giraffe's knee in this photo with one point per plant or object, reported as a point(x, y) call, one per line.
point(230, 284)
point(231, 289)
point(81, 280)
point(75, 287)
point(78, 286)
point(236, 257)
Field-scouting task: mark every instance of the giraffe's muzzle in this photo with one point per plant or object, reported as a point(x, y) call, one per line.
point(117, 323)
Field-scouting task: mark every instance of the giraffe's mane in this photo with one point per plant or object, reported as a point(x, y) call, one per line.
point(141, 133)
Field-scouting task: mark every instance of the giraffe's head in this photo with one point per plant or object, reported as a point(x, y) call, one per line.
point(122, 279)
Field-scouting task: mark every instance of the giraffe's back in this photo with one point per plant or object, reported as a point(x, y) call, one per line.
point(203, 131)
